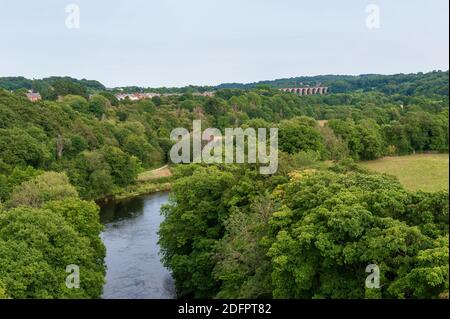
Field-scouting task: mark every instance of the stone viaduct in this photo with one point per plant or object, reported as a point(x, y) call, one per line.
point(307, 90)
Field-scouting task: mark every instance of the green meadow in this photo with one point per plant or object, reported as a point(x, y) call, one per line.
point(427, 172)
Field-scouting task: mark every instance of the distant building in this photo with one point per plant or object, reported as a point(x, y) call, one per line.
point(34, 97)
point(142, 96)
point(210, 94)
point(125, 96)
point(135, 96)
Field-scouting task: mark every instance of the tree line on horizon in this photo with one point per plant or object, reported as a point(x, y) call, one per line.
point(435, 82)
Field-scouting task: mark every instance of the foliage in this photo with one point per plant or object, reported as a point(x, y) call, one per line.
point(3, 294)
point(36, 245)
point(331, 226)
point(43, 188)
point(187, 247)
point(59, 135)
point(300, 135)
point(47, 228)
point(229, 234)
point(18, 147)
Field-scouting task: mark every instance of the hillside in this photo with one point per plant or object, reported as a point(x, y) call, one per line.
point(430, 83)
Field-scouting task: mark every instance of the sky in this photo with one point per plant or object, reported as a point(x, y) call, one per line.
point(158, 43)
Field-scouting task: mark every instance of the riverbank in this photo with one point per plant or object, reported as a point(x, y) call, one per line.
point(144, 188)
point(147, 182)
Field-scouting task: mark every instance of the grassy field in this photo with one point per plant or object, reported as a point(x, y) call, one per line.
point(155, 174)
point(151, 181)
point(427, 172)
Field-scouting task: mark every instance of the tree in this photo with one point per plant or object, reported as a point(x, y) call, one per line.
point(331, 226)
point(17, 147)
point(64, 87)
point(84, 217)
point(15, 177)
point(348, 131)
point(300, 135)
point(124, 168)
point(242, 266)
point(75, 145)
point(395, 135)
point(429, 276)
point(187, 247)
point(371, 140)
point(139, 147)
point(40, 242)
point(92, 175)
point(98, 105)
point(77, 102)
point(45, 187)
point(335, 147)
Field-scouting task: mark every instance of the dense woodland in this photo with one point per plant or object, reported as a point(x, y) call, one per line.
point(231, 233)
point(308, 231)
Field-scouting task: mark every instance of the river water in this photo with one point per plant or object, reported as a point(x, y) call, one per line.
point(134, 269)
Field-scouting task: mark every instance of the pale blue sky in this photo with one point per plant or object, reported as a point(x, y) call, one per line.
point(207, 42)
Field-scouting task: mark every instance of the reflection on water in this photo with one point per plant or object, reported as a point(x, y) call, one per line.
point(130, 236)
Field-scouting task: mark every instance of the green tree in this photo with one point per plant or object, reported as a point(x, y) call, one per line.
point(139, 147)
point(300, 135)
point(84, 217)
point(348, 131)
point(371, 140)
point(41, 243)
point(92, 175)
point(124, 168)
point(187, 246)
point(17, 147)
point(331, 226)
point(77, 102)
point(98, 105)
point(46, 187)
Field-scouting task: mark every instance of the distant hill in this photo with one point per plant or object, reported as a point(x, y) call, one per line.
point(19, 82)
point(435, 82)
point(50, 88)
point(430, 83)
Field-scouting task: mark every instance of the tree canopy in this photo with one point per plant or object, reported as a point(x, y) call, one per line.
point(230, 234)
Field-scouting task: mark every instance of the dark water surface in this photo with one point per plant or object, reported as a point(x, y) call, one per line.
point(130, 236)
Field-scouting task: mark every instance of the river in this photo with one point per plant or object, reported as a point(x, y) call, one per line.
point(134, 269)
